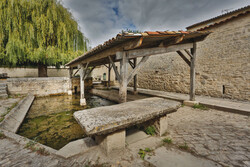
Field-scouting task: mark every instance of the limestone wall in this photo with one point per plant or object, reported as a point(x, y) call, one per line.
point(222, 69)
point(33, 72)
point(38, 86)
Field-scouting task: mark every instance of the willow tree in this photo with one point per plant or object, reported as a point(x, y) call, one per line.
point(38, 33)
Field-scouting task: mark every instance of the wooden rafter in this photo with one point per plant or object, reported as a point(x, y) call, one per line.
point(184, 57)
point(157, 50)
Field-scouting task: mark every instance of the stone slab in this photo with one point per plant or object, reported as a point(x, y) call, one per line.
point(15, 117)
point(190, 103)
point(163, 157)
point(107, 119)
point(135, 135)
point(76, 147)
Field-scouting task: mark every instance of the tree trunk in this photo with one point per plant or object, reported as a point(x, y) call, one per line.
point(42, 70)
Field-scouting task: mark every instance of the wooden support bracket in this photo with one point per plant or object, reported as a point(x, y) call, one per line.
point(137, 68)
point(184, 58)
point(115, 70)
point(190, 55)
point(131, 64)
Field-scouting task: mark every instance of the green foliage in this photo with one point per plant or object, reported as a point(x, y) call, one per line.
point(167, 140)
point(142, 152)
point(200, 106)
point(184, 146)
point(38, 32)
point(150, 130)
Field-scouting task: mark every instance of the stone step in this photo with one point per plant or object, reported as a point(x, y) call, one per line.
point(3, 91)
point(2, 96)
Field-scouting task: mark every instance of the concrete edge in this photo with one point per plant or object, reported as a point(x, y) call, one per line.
point(23, 141)
point(15, 117)
point(212, 106)
point(226, 109)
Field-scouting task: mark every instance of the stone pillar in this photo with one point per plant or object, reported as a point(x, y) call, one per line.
point(123, 74)
point(163, 125)
point(70, 81)
point(112, 143)
point(82, 97)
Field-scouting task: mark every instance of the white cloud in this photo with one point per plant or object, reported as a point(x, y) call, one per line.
point(99, 20)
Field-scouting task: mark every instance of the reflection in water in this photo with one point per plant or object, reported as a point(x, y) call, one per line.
point(50, 119)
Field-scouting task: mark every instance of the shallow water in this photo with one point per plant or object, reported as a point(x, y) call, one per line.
point(50, 119)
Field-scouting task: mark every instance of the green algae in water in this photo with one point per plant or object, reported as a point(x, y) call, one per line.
point(50, 120)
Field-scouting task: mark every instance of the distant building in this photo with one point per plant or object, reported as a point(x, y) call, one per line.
point(223, 62)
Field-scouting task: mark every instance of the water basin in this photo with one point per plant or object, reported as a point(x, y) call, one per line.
point(50, 119)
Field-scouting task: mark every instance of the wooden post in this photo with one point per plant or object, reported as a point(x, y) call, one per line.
point(123, 74)
point(135, 77)
point(192, 73)
point(82, 98)
point(109, 70)
point(70, 81)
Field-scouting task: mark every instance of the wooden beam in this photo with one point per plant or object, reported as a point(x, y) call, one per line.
point(123, 72)
point(192, 73)
point(131, 44)
point(85, 70)
point(76, 71)
point(137, 68)
point(137, 43)
point(105, 65)
point(109, 72)
point(89, 71)
point(115, 70)
point(131, 64)
point(157, 50)
point(135, 77)
point(168, 42)
point(188, 53)
point(184, 57)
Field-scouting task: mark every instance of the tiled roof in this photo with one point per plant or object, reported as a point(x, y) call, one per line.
point(223, 21)
point(223, 15)
point(148, 35)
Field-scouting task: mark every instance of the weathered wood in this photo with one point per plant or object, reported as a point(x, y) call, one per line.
point(183, 57)
point(131, 44)
point(189, 54)
point(115, 69)
point(109, 71)
point(89, 71)
point(157, 50)
point(135, 77)
point(131, 64)
point(169, 42)
point(192, 73)
point(123, 73)
point(76, 72)
point(82, 98)
point(137, 68)
point(85, 70)
point(135, 44)
point(105, 65)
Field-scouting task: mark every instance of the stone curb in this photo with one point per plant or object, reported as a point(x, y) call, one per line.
point(15, 117)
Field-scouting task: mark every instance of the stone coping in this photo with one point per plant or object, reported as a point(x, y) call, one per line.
point(107, 119)
point(37, 79)
point(15, 117)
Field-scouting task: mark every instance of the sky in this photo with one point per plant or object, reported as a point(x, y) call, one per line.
point(101, 20)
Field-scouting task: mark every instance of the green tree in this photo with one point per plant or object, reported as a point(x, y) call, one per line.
point(38, 33)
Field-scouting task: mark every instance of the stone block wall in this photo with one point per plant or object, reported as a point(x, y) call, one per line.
point(222, 68)
point(39, 86)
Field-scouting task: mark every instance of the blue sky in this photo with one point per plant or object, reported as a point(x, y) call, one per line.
point(101, 20)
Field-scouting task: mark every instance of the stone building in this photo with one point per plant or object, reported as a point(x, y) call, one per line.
point(223, 61)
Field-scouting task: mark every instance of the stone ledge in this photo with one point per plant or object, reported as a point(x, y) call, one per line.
point(15, 117)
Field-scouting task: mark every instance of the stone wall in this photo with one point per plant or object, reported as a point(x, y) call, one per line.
point(33, 72)
point(222, 68)
point(39, 86)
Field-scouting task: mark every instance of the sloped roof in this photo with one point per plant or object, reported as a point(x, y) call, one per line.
point(150, 39)
point(244, 10)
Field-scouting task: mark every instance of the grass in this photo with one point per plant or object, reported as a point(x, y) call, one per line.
point(143, 153)
point(150, 130)
point(184, 146)
point(167, 140)
point(200, 106)
point(31, 145)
